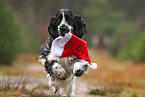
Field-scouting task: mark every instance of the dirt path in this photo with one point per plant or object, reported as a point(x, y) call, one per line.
point(35, 75)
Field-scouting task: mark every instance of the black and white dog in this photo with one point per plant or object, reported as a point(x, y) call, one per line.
point(62, 71)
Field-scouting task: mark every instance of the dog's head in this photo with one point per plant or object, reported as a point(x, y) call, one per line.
point(64, 22)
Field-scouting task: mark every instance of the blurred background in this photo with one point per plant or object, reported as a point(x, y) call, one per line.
point(115, 36)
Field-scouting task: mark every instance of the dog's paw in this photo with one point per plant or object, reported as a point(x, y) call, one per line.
point(80, 67)
point(59, 71)
point(79, 72)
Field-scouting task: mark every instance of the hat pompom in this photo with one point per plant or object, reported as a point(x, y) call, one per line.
point(93, 66)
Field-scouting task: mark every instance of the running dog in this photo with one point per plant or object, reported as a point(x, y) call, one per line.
point(62, 71)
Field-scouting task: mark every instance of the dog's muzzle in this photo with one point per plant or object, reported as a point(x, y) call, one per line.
point(64, 29)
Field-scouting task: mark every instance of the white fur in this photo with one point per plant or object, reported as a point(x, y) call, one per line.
point(65, 87)
point(64, 22)
point(42, 61)
point(80, 64)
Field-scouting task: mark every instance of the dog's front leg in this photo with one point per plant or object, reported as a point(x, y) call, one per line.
point(57, 91)
point(68, 86)
point(55, 68)
point(71, 86)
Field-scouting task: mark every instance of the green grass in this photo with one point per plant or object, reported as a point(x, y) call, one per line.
point(134, 94)
point(107, 91)
point(42, 94)
point(98, 92)
point(42, 86)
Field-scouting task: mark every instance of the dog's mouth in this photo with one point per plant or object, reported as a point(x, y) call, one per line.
point(64, 29)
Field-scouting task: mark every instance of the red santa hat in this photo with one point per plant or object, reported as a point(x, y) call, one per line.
point(71, 45)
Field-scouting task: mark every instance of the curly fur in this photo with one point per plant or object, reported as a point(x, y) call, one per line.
point(79, 26)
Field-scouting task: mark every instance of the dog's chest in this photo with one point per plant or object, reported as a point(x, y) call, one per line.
point(67, 62)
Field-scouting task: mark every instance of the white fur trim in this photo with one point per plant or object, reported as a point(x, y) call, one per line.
point(59, 43)
point(93, 66)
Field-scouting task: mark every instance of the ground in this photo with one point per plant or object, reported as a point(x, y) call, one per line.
point(113, 77)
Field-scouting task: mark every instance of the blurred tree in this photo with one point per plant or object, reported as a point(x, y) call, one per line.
point(123, 20)
point(25, 11)
point(102, 19)
point(10, 41)
point(133, 8)
point(128, 40)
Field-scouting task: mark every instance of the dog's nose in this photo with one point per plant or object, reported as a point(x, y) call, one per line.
point(64, 29)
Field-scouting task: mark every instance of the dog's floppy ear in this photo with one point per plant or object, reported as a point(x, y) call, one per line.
point(79, 26)
point(52, 28)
